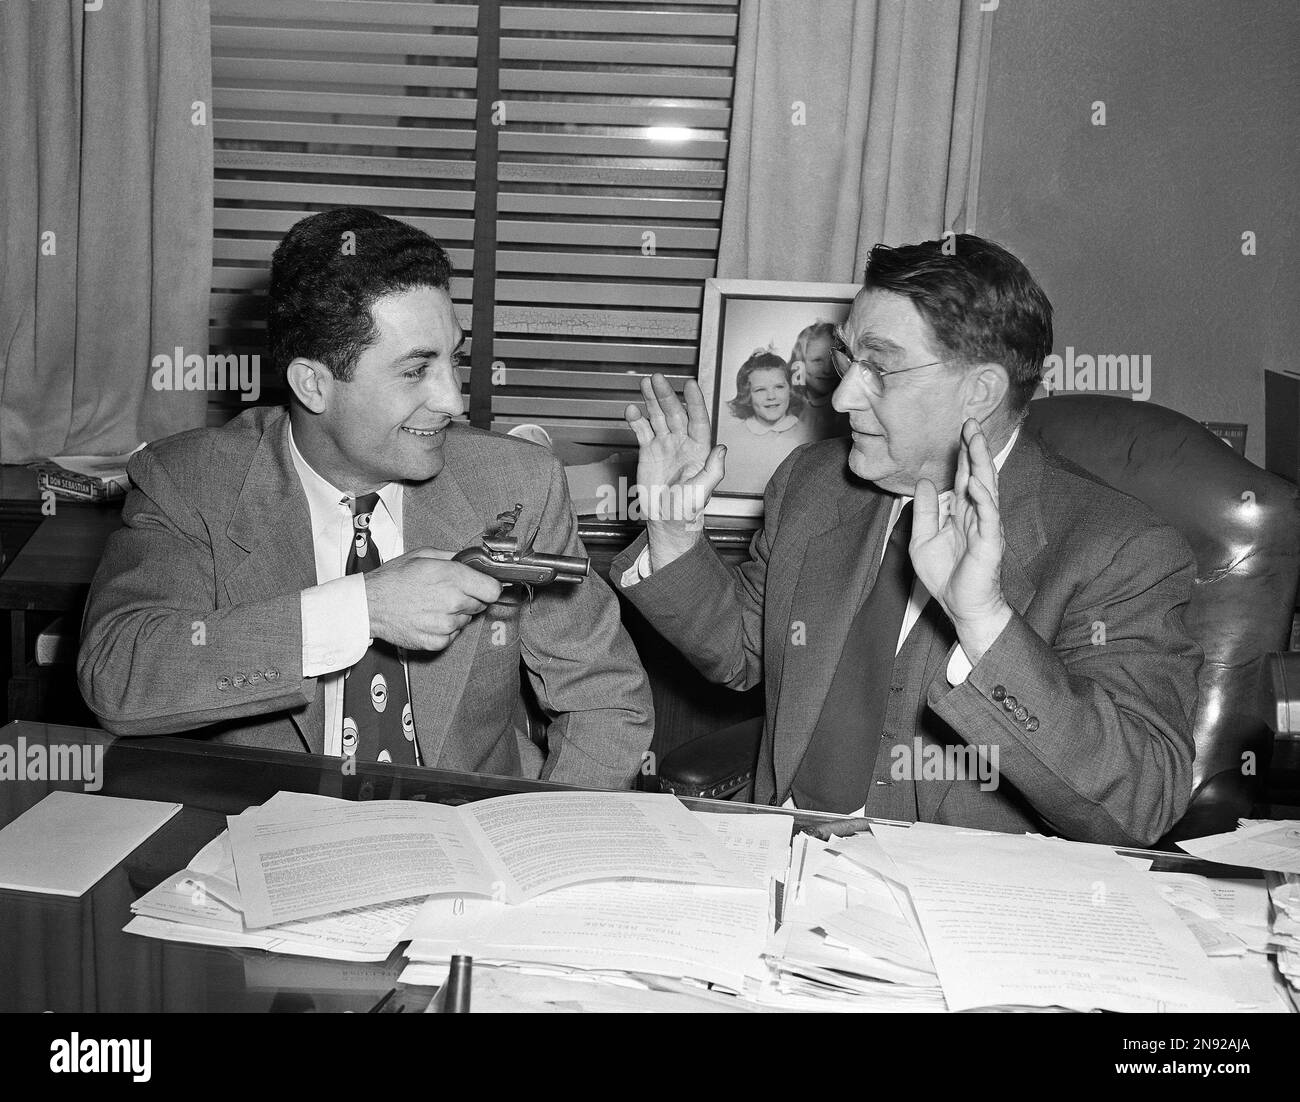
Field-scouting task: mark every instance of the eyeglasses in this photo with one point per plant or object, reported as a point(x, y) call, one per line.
point(873, 377)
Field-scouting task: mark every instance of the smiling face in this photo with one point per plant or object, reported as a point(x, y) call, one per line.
point(912, 429)
point(769, 394)
point(818, 372)
point(388, 422)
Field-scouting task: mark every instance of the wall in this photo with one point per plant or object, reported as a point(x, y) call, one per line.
point(1134, 228)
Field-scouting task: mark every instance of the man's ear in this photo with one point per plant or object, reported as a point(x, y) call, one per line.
point(311, 382)
point(986, 389)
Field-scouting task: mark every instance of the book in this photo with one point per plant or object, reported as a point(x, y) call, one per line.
point(294, 864)
point(85, 477)
point(79, 487)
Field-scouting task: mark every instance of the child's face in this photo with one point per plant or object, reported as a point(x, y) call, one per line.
point(818, 372)
point(769, 394)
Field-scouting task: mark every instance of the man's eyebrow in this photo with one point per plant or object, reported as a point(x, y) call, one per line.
point(869, 342)
point(417, 354)
point(424, 353)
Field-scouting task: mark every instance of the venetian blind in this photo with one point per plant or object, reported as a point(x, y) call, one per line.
point(608, 150)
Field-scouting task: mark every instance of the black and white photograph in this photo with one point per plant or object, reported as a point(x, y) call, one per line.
point(765, 357)
point(649, 507)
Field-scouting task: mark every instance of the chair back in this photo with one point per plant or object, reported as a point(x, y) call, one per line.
point(1244, 529)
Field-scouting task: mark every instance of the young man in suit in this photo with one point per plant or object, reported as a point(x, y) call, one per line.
point(1013, 657)
point(285, 580)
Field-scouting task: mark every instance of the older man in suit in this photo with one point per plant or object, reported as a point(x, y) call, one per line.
point(285, 580)
point(952, 623)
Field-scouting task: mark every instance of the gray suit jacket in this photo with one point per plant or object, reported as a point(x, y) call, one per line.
point(217, 547)
point(1096, 649)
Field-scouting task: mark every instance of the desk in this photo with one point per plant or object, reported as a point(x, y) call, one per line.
point(65, 954)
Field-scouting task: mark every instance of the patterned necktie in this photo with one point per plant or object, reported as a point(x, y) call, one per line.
point(836, 770)
point(377, 720)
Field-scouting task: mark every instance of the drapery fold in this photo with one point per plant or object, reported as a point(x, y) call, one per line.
point(853, 122)
point(105, 220)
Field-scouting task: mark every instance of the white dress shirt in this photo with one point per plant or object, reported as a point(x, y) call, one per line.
point(335, 614)
point(959, 665)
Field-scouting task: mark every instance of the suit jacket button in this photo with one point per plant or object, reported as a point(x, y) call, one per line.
point(1010, 703)
point(1031, 724)
point(272, 673)
point(240, 681)
point(1021, 713)
point(999, 693)
point(255, 677)
point(223, 683)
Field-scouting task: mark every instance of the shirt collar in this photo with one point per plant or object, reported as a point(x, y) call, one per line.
point(323, 496)
point(1001, 457)
point(762, 428)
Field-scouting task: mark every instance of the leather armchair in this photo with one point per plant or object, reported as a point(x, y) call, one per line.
point(1243, 526)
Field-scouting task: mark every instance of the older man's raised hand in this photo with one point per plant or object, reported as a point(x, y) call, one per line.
point(677, 470)
point(957, 554)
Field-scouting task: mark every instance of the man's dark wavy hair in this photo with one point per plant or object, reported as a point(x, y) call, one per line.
point(981, 303)
point(323, 284)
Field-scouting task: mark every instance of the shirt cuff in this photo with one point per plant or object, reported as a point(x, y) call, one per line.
point(959, 666)
point(638, 571)
point(335, 625)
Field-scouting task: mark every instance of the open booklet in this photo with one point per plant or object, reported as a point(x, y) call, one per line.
point(300, 864)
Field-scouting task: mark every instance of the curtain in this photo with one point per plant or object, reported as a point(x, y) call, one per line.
point(853, 122)
point(105, 220)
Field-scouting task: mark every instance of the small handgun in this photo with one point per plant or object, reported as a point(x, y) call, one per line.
point(498, 554)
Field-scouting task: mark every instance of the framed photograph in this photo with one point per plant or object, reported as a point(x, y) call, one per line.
point(767, 376)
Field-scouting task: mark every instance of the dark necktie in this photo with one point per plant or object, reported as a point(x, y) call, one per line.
point(835, 773)
point(377, 720)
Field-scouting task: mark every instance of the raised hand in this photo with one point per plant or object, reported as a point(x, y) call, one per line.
point(677, 470)
point(958, 555)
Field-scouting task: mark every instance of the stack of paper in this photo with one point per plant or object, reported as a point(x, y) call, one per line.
point(697, 932)
point(1255, 844)
point(202, 904)
point(629, 901)
point(848, 938)
point(1284, 891)
point(523, 989)
point(929, 917)
point(334, 878)
point(1021, 921)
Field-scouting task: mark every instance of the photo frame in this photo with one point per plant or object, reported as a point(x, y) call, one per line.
point(747, 326)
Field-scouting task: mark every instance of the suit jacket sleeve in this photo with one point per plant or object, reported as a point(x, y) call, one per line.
point(157, 654)
point(709, 611)
point(583, 667)
point(1114, 694)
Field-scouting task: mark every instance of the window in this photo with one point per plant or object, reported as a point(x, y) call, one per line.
point(598, 189)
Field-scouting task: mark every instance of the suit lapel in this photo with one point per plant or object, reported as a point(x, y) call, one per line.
point(838, 570)
point(1023, 543)
point(439, 514)
point(272, 524)
point(1022, 520)
point(839, 567)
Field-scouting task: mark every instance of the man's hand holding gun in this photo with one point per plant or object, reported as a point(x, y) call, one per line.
point(422, 600)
